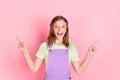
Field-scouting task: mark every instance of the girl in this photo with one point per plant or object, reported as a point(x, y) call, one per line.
point(57, 52)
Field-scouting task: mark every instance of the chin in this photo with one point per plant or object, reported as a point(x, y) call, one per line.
point(59, 38)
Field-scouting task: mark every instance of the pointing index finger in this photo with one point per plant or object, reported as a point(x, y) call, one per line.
point(95, 43)
point(18, 39)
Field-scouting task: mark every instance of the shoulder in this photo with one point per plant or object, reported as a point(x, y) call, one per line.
point(43, 45)
point(72, 46)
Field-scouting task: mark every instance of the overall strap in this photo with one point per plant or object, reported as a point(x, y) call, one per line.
point(68, 47)
point(48, 46)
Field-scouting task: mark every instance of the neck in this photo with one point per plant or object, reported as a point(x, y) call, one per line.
point(58, 41)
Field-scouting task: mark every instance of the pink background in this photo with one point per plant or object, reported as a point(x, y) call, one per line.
point(89, 20)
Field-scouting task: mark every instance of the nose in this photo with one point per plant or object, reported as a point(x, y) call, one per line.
point(59, 29)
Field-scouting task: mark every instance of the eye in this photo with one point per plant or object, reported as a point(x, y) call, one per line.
point(63, 26)
point(56, 26)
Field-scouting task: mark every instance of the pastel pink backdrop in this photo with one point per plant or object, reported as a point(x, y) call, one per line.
point(89, 21)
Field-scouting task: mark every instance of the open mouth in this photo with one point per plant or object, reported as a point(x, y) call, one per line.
point(59, 34)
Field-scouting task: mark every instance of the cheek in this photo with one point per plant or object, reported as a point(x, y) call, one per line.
point(65, 30)
point(55, 31)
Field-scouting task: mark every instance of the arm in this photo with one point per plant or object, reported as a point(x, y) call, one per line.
point(33, 65)
point(79, 67)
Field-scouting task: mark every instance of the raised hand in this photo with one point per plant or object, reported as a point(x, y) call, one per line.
point(21, 45)
point(92, 49)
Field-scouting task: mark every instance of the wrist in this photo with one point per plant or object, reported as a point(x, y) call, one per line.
point(25, 51)
point(90, 54)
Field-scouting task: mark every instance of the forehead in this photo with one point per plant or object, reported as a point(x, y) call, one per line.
point(60, 22)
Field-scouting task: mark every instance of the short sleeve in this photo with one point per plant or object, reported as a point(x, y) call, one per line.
point(42, 51)
point(73, 54)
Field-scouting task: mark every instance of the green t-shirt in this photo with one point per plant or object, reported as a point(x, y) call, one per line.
point(42, 52)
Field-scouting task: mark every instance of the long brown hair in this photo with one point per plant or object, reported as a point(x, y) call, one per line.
point(52, 37)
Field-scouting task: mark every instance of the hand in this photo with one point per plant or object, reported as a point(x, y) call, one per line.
point(92, 49)
point(21, 45)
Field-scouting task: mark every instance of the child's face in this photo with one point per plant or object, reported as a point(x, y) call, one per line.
point(59, 29)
